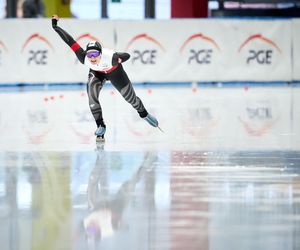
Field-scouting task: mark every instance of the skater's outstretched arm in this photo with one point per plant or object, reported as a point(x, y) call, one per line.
point(120, 57)
point(80, 53)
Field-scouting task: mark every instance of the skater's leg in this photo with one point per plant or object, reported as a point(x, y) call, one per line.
point(129, 95)
point(122, 83)
point(94, 86)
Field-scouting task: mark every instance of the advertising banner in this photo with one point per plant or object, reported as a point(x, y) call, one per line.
point(296, 49)
point(32, 52)
point(207, 50)
point(260, 50)
point(181, 50)
point(161, 50)
point(210, 119)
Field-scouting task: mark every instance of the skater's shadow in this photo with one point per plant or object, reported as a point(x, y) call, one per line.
point(106, 208)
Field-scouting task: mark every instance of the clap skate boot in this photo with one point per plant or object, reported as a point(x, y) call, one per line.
point(100, 133)
point(151, 120)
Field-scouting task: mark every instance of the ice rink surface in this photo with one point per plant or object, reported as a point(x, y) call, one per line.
point(224, 175)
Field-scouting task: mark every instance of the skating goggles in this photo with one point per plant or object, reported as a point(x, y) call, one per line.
point(93, 54)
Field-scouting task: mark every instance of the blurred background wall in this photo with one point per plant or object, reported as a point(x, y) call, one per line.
point(159, 9)
point(259, 42)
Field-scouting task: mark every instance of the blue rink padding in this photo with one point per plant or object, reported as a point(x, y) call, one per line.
point(4, 87)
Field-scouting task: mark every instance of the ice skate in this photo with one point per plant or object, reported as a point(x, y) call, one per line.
point(99, 147)
point(100, 134)
point(151, 120)
point(100, 138)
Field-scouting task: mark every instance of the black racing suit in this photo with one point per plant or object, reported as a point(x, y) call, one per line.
point(96, 79)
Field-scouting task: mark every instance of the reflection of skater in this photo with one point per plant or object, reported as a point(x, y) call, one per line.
point(104, 64)
point(106, 209)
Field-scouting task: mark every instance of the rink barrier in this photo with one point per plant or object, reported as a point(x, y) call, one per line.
point(226, 118)
point(210, 50)
point(70, 86)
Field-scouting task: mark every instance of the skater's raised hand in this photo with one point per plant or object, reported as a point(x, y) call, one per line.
point(55, 19)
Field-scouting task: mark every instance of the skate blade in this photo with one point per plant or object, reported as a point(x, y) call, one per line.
point(160, 129)
point(100, 139)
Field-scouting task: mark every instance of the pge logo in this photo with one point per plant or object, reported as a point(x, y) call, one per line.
point(201, 121)
point(258, 54)
point(84, 39)
point(81, 121)
point(259, 113)
point(146, 54)
point(37, 116)
point(37, 52)
point(2, 48)
point(37, 125)
point(202, 55)
point(259, 117)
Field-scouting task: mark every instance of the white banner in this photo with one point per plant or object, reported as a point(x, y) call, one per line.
point(180, 50)
point(207, 50)
point(161, 51)
point(205, 119)
point(296, 49)
point(32, 52)
point(258, 50)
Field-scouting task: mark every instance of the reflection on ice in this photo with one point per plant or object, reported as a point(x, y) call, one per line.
point(104, 199)
point(224, 175)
